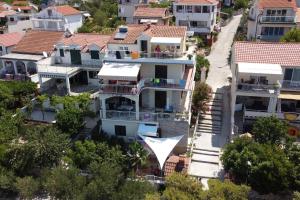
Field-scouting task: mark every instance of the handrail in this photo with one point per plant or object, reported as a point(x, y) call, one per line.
point(290, 84)
point(123, 54)
point(271, 19)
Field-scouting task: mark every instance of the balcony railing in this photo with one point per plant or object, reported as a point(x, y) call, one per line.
point(292, 85)
point(145, 116)
point(257, 88)
point(277, 19)
point(136, 55)
point(135, 89)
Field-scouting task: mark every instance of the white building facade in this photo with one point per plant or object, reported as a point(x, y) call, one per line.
point(126, 9)
point(265, 83)
point(270, 20)
point(199, 17)
point(147, 84)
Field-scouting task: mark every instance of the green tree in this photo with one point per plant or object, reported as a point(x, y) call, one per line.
point(134, 190)
point(40, 101)
point(201, 96)
point(270, 130)
point(62, 183)
point(238, 4)
point(291, 36)
point(181, 186)
point(137, 155)
point(27, 187)
point(225, 190)
point(200, 63)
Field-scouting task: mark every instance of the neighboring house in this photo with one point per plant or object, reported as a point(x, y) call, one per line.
point(147, 82)
point(8, 41)
point(126, 9)
point(20, 64)
point(265, 82)
point(199, 16)
point(146, 14)
point(228, 2)
point(58, 18)
point(269, 20)
point(74, 65)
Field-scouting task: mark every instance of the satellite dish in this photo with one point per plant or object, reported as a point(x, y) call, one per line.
point(45, 54)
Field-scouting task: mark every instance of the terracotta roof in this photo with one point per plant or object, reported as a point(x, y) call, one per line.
point(176, 164)
point(66, 10)
point(10, 39)
point(143, 11)
point(86, 39)
point(285, 54)
point(277, 4)
point(135, 30)
point(21, 8)
point(7, 13)
point(196, 2)
point(37, 42)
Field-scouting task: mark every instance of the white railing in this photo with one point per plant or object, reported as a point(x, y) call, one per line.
point(294, 85)
point(135, 55)
point(144, 116)
point(119, 89)
point(278, 19)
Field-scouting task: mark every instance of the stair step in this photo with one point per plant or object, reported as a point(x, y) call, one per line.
point(205, 121)
point(205, 161)
point(215, 103)
point(208, 128)
point(211, 117)
point(205, 152)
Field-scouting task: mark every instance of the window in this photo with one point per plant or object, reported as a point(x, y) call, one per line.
point(120, 130)
point(189, 9)
point(197, 9)
point(198, 24)
point(95, 55)
point(273, 31)
point(183, 23)
point(49, 12)
point(11, 19)
point(205, 9)
point(61, 53)
point(288, 73)
point(1, 48)
point(93, 74)
point(212, 8)
point(179, 8)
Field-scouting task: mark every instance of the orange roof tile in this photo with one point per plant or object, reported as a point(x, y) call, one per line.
point(37, 42)
point(66, 10)
point(286, 54)
point(10, 39)
point(197, 2)
point(143, 11)
point(86, 39)
point(277, 4)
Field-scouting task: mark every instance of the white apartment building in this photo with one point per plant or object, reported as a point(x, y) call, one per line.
point(269, 20)
point(147, 82)
point(73, 67)
point(265, 82)
point(58, 18)
point(126, 9)
point(198, 16)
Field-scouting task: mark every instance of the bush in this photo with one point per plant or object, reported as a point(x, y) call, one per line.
point(201, 62)
point(201, 96)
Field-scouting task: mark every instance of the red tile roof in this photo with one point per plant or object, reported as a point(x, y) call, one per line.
point(10, 39)
point(176, 164)
point(277, 4)
point(37, 42)
point(86, 39)
point(66, 10)
point(135, 30)
point(21, 8)
point(7, 13)
point(145, 11)
point(285, 54)
point(197, 2)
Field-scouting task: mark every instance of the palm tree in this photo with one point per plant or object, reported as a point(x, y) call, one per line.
point(292, 36)
point(137, 155)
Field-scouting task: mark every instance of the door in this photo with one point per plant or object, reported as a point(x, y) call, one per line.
point(144, 46)
point(160, 99)
point(161, 71)
point(75, 57)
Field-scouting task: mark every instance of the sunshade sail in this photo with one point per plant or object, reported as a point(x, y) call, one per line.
point(120, 71)
point(161, 147)
point(165, 40)
point(260, 69)
point(148, 129)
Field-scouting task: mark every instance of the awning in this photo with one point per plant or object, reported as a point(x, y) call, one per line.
point(148, 130)
point(289, 95)
point(120, 71)
point(152, 21)
point(259, 69)
point(165, 40)
point(161, 147)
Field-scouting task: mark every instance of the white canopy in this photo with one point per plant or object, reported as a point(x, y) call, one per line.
point(260, 69)
point(120, 71)
point(165, 40)
point(153, 21)
point(162, 147)
point(148, 129)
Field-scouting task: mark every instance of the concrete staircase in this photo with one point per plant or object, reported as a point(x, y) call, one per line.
point(205, 162)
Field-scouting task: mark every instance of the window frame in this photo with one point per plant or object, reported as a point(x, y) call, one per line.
point(120, 130)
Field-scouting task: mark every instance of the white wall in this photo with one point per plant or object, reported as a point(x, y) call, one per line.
point(19, 26)
point(108, 126)
point(73, 22)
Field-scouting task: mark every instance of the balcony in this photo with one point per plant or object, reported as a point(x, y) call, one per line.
point(290, 85)
point(277, 19)
point(257, 88)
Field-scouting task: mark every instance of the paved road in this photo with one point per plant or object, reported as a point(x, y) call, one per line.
point(213, 128)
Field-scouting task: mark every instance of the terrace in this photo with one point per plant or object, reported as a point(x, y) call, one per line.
point(278, 19)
